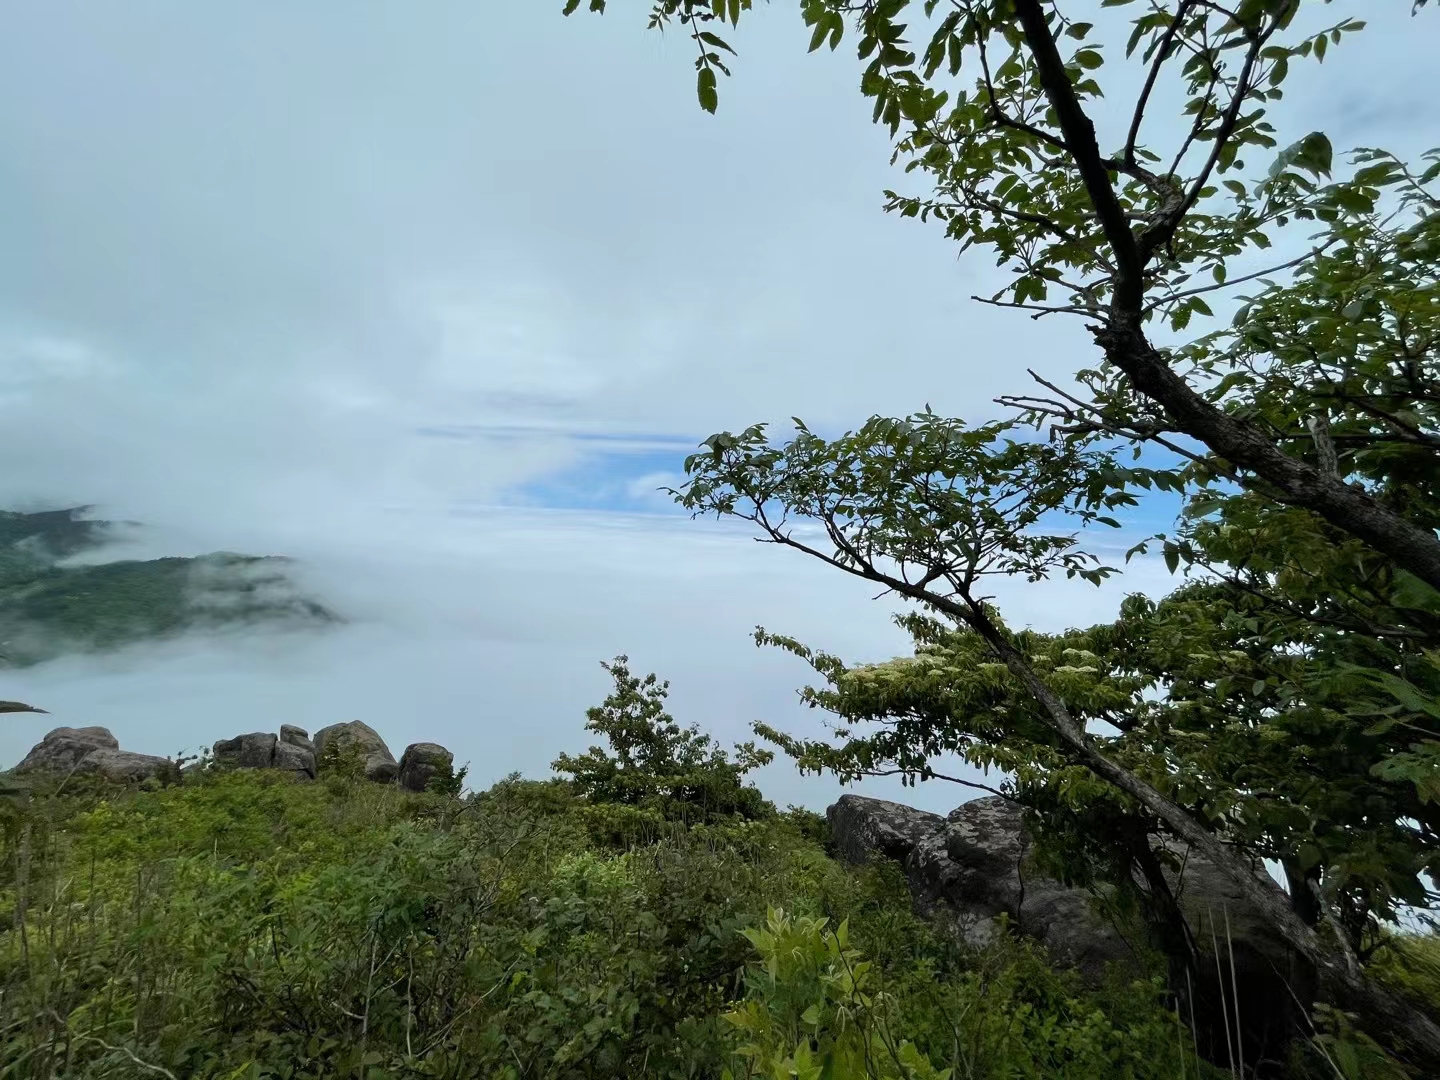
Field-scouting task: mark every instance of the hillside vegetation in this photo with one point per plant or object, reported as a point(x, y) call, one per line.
point(647, 913)
point(49, 607)
point(244, 925)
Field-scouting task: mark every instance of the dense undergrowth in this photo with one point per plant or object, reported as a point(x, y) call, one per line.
point(649, 915)
point(245, 925)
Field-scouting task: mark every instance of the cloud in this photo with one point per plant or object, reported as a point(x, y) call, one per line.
point(484, 632)
point(377, 286)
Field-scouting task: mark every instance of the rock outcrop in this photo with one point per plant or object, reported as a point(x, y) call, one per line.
point(862, 828)
point(295, 759)
point(65, 747)
point(122, 766)
point(296, 736)
point(253, 751)
point(291, 752)
point(421, 762)
point(971, 867)
point(90, 751)
point(94, 750)
point(363, 740)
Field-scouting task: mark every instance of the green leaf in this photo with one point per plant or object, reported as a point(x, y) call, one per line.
point(705, 89)
point(711, 39)
point(1412, 592)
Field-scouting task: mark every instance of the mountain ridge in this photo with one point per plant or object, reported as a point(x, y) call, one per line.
point(50, 608)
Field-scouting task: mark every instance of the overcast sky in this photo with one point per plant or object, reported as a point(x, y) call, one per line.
point(433, 296)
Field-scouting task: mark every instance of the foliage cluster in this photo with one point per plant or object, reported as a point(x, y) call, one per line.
point(656, 768)
point(243, 924)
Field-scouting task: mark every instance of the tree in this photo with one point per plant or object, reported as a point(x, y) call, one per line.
point(1017, 167)
point(655, 764)
point(1304, 437)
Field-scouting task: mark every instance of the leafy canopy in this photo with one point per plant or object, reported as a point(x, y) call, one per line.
point(1284, 704)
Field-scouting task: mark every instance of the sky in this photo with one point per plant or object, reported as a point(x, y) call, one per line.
point(434, 297)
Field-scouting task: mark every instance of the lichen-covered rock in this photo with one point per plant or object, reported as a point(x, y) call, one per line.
point(970, 868)
point(863, 829)
point(375, 757)
point(65, 747)
point(295, 759)
point(253, 751)
point(421, 762)
point(122, 766)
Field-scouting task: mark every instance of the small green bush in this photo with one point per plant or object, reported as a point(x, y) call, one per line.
point(665, 771)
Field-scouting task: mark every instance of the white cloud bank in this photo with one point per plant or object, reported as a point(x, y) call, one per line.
point(251, 251)
point(484, 633)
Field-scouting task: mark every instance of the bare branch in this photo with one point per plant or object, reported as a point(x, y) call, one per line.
point(1289, 264)
point(1162, 53)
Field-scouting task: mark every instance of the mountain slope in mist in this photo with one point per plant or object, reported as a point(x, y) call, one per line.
point(51, 605)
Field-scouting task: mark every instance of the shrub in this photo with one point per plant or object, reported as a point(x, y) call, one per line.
point(653, 764)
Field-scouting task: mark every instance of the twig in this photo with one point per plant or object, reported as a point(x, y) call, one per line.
point(1170, 298)
point(1161, 55)
point(112, 1048)
point(1041, 310)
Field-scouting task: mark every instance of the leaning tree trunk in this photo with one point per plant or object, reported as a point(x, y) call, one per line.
point(1244, 445)
point(1392, 1020)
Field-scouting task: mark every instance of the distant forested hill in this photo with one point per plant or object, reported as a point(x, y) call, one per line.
point(49, 607)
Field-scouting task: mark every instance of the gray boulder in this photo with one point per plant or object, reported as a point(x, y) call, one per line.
point(421, 762)
point(253, 751)
point(296, 736)
point(865, 829)
point(296, 759)
point(122, 766)
point(970, 868)
point(65, 747)
point(360, 738)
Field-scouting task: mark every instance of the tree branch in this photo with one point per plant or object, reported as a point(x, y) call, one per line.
point(1162, 53)
point(1084, 149)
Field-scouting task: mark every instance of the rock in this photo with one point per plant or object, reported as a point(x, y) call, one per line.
point(971, 867)
point(296, 736)
point(1270, 976)
point(65, 747)
point(867, 828)
point(253, 751)
point(292, 752)
point(421, 762)
point(296, 759)
point(379, 764)
point(122, 766)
